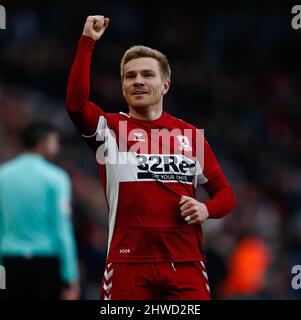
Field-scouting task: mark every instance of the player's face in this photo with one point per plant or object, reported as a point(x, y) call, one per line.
point(142, 84)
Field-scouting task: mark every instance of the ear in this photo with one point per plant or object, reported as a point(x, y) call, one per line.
point(166, 85)
point(123, 91)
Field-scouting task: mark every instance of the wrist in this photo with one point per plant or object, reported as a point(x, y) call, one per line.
point(86, 42)
point(208, 207)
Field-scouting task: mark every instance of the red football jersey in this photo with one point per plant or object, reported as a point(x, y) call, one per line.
point(145, 167)
point(143, 189)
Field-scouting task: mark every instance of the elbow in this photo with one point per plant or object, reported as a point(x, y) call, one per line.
point(74, 100)
point(231, 202)
point(73, 105)
point(67, 104)
point(70, 102)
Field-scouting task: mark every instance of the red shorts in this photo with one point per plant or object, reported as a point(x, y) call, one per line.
point(155, 281)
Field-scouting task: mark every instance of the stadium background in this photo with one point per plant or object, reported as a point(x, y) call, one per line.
point(235, 72)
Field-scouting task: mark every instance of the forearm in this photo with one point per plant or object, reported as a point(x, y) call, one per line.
point(78, 89)
point(223, 200)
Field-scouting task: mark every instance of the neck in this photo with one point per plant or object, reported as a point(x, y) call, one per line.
point(146, 114)
point(34, 152)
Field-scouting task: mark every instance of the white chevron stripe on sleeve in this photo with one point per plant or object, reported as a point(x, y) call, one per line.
point(205, 274)
point(108, 275)
point(108, 287)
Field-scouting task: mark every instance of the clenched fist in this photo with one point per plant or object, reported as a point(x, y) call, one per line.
point(193, 211)
point(95, 26)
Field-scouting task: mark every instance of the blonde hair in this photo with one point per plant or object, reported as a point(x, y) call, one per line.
point(139, 51)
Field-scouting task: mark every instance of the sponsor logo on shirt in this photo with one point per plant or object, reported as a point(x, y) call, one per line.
point(171, 152)
point(184, 143)
point(139, 136)
point(165, 167)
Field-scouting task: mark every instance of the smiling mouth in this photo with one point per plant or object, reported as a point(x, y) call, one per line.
point(139, 93)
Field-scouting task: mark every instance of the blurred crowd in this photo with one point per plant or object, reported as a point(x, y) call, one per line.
point(234, 74)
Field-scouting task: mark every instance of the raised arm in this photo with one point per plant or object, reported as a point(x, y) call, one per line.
point(84, 113)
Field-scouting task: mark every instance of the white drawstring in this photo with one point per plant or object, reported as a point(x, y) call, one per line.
point(173, 266)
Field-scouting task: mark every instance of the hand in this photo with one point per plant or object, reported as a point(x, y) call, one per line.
point(72, 292)
point(193, 211)
point(95, 26)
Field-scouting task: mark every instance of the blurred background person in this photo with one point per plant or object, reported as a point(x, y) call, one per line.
point(37, 243)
